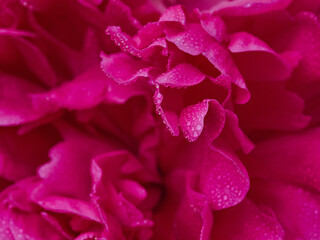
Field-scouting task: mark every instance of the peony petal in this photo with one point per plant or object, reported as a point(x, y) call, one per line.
point(36, 61)
point(15, 104)
point(247, 221)
point(182, 75)
point(223, 179)
point(304, 6)
point(256, 60)
point(195, 41)
point(170, 119)
point(233, 134)
point(214, 121)
point(128, 45)
point(303, 36)
point(148, 33)
point(296, 208)
point(193, 219)
point(85, 91)
point(282, 110)
point(248, 7)
point(123, 68)
point(60, 175)
point(77, 207)
point(119, 94)
point(120, 14)
point(214, 26)
point(33, 150)
point(174, 14)
point(106, 171)
point(191, 120)
point(19, 215)
point(62, 47)
point(293, 158)
point(90, 2)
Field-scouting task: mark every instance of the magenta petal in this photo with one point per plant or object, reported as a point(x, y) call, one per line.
point(128, 45)
point(214, 121)
point(222, 60)
point(60, 174)
point(117, 93)
point(130, 215)
point(124, 69)
point(223, 179)
point(108, 172)
point(122, 40)
point(149, 32)
point(16, 105)
point(193, 219)
point(36, 61)
point(170, 119)
point(22, 226)
point(233, 134)
point(195, 41)
point(248, 7)
point(22, 218)
point(215, 27)
point(90, 2)
point(174, 14)
point(37, 5)
point(282, 110)
point(191, 120)
point(182, 75)
point(293, 159)
point(33, 151)
point(245, 42)
point(296, 208)
point(89, 236)
point(247, 221)
point(256, 60)
point(304, 6)
point(85, 91)
point(118, 13)
point(5, 232)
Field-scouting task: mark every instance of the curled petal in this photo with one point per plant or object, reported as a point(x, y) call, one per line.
point(182, 75)
point(207, 116)
point(123, 68)
point(170, 119)
point(128, 45)
point(195, 41)
point(191, 120)
point(214, 26)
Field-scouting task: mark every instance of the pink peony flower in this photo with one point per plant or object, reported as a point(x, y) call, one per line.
point(159, 120)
